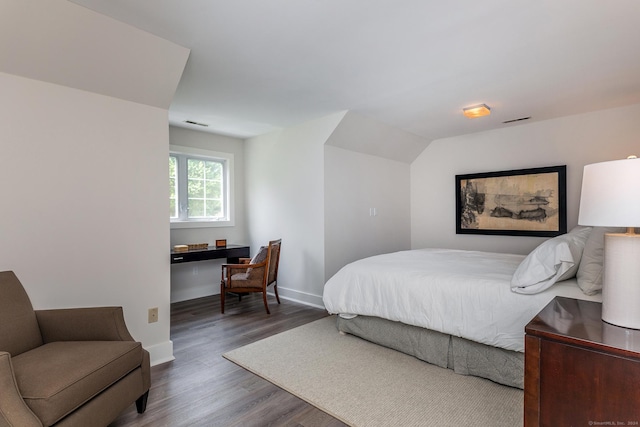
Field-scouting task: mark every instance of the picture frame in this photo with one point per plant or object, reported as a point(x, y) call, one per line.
point(522, 202)
point(221, 243)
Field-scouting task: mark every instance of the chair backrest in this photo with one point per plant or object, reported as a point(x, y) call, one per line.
point(274, 260)
point(19, 331)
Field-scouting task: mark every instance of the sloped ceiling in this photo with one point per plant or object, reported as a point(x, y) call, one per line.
point(62, 43)
point(258, 65)
point(365, 135)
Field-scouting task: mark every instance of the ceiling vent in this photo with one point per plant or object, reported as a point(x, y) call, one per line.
point(196, 123)
point(517, 120)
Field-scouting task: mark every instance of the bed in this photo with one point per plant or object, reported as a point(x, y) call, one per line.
point(464, 310)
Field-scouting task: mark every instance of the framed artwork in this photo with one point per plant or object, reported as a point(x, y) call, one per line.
point(524, 202)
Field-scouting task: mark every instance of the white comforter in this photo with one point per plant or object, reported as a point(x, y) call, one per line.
point(462, 293)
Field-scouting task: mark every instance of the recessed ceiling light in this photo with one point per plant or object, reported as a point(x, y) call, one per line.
point(477, 111)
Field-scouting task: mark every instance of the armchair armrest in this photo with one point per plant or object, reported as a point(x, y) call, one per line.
point(13, 410)
point(83, 324)
point(229, 270)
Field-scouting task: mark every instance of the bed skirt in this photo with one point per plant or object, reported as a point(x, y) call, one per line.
point(463, 356)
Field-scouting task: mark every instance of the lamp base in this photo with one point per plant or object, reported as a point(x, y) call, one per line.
point(621, 281)
point(620, 337)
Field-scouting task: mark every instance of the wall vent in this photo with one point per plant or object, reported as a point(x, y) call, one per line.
point(196, 123)
point(517, 120)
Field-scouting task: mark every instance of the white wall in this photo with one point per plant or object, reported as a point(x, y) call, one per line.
point(202, 278)
point(285, 199)
point(83, 184)
point(354, 184)
point(574, 141)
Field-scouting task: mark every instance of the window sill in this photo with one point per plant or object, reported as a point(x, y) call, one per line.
point(200, 224)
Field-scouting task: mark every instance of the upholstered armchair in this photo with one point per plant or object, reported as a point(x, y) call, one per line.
point(68, 367)
point(255, 276)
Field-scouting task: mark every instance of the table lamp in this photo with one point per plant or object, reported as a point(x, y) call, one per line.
point(611, 198)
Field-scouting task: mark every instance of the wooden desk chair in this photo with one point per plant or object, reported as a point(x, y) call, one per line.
point(255, 276)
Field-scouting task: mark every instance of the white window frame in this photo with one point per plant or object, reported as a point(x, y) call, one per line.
point(228, 190)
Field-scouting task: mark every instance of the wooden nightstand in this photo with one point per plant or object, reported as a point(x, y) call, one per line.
point(579, 370)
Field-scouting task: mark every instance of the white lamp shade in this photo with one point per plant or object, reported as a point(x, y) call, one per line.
point(611, 194)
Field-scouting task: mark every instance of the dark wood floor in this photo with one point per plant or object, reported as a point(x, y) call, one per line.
point(201, 388)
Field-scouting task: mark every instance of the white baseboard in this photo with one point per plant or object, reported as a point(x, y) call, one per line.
point(301, 297)
point(289, 294)
point(161, 353)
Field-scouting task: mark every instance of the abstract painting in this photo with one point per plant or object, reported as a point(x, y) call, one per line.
point(524, 202)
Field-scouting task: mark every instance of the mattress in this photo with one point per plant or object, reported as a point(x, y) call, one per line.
point(465, 294)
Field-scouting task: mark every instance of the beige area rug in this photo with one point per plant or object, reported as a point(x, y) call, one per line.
point(364, 384)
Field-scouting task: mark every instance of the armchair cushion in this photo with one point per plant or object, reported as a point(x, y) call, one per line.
point(57, 378)
point(243, 280)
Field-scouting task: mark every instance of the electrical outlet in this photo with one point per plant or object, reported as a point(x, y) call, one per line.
point(153, 315)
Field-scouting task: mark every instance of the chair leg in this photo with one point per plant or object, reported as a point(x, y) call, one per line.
point(275, 289)
point(222, 297)
point(141, 403)
point(264, 298)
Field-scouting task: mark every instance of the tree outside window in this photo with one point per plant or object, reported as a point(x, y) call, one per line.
point(204, 187)
point(197, 188)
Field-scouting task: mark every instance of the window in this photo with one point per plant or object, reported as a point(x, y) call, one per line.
point(173, 187)
point(199, 188)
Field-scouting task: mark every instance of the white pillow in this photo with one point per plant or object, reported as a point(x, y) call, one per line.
point(554, 260)
point(590, 271)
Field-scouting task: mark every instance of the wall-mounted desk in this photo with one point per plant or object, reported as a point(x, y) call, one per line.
point(231, 252)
